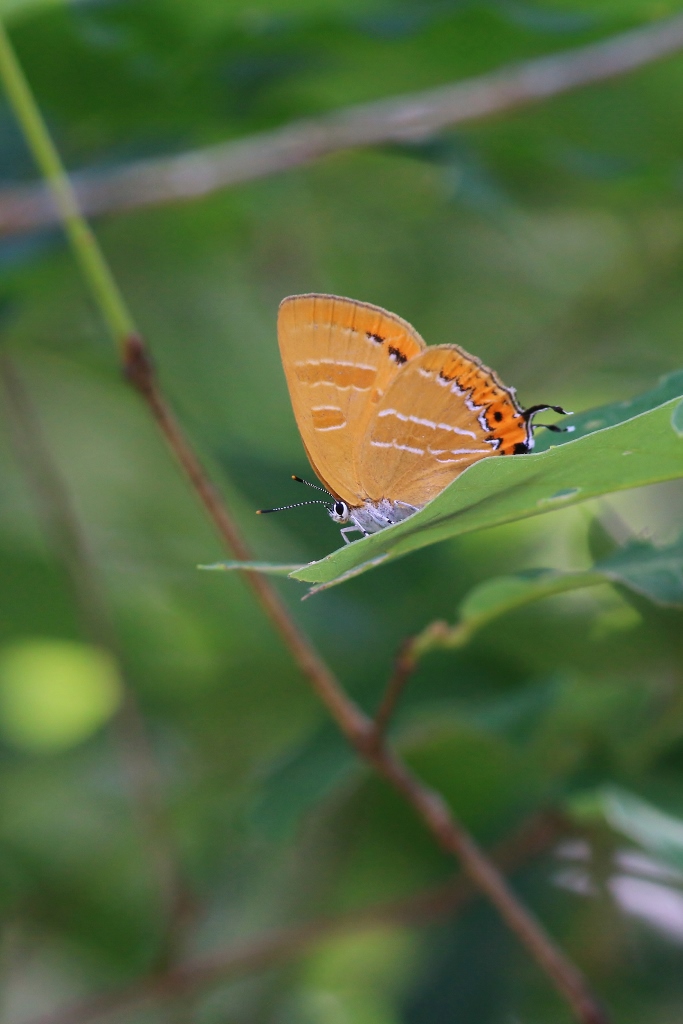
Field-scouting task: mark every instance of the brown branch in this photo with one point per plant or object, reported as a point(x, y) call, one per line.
point(534, 838)
point(453, 838)
point(358, 728)
point(436, 634)
point(409, 118)
point(61, 525)
point(404, 666)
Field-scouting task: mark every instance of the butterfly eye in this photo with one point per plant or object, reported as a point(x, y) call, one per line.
point(340, 508)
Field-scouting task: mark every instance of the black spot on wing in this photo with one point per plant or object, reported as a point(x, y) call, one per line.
point(377, 338)
point(521, 448)
point(395, 353)
point(444, 376)
point(497, 415)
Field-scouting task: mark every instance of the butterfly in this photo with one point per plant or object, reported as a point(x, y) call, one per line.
point(387, 422)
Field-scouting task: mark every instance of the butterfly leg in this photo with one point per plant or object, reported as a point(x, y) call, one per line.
point(351, 529)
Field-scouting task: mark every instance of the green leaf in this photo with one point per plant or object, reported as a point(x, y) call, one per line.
point(645, 824)
point(514, 715)
point(670, 386)
point(677, 419)
point(297, 782)
point(642, 450)
point(656, 573)
point(503, 594)
point(270, 568)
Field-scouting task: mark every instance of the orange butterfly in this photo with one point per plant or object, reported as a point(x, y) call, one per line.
point(386, 422)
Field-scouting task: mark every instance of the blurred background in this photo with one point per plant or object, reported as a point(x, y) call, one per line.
point(175, 804)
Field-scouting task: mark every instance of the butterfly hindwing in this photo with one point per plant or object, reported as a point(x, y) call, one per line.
point(443, 411)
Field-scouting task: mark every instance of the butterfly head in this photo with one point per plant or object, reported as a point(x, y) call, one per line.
point(339, 512)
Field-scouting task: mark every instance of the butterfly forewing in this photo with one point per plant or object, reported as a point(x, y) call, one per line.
point(340, 357)
point(441, 413)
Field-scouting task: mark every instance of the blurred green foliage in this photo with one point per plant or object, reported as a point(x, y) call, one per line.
point(550, 243)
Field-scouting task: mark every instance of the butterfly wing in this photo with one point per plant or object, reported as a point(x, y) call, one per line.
point(442, 412)
point(339, 358)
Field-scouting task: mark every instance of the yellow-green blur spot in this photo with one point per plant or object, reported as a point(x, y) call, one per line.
point(55, 693)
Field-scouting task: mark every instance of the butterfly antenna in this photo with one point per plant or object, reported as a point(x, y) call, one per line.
point(308, 484)
point(529, 414)
point(282, 508)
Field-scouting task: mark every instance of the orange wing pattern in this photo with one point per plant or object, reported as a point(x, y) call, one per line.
point(339, 357)
point(442, 412)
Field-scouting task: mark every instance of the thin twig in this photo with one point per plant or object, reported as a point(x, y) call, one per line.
point(436, 634)
point(435, 814)
point(355, 725)
point(534, 838)
point(409, 118)
point(404, 666)
point(62, 527)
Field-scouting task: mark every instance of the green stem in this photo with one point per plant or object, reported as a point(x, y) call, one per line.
point(441, 635)
point(83, 241)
